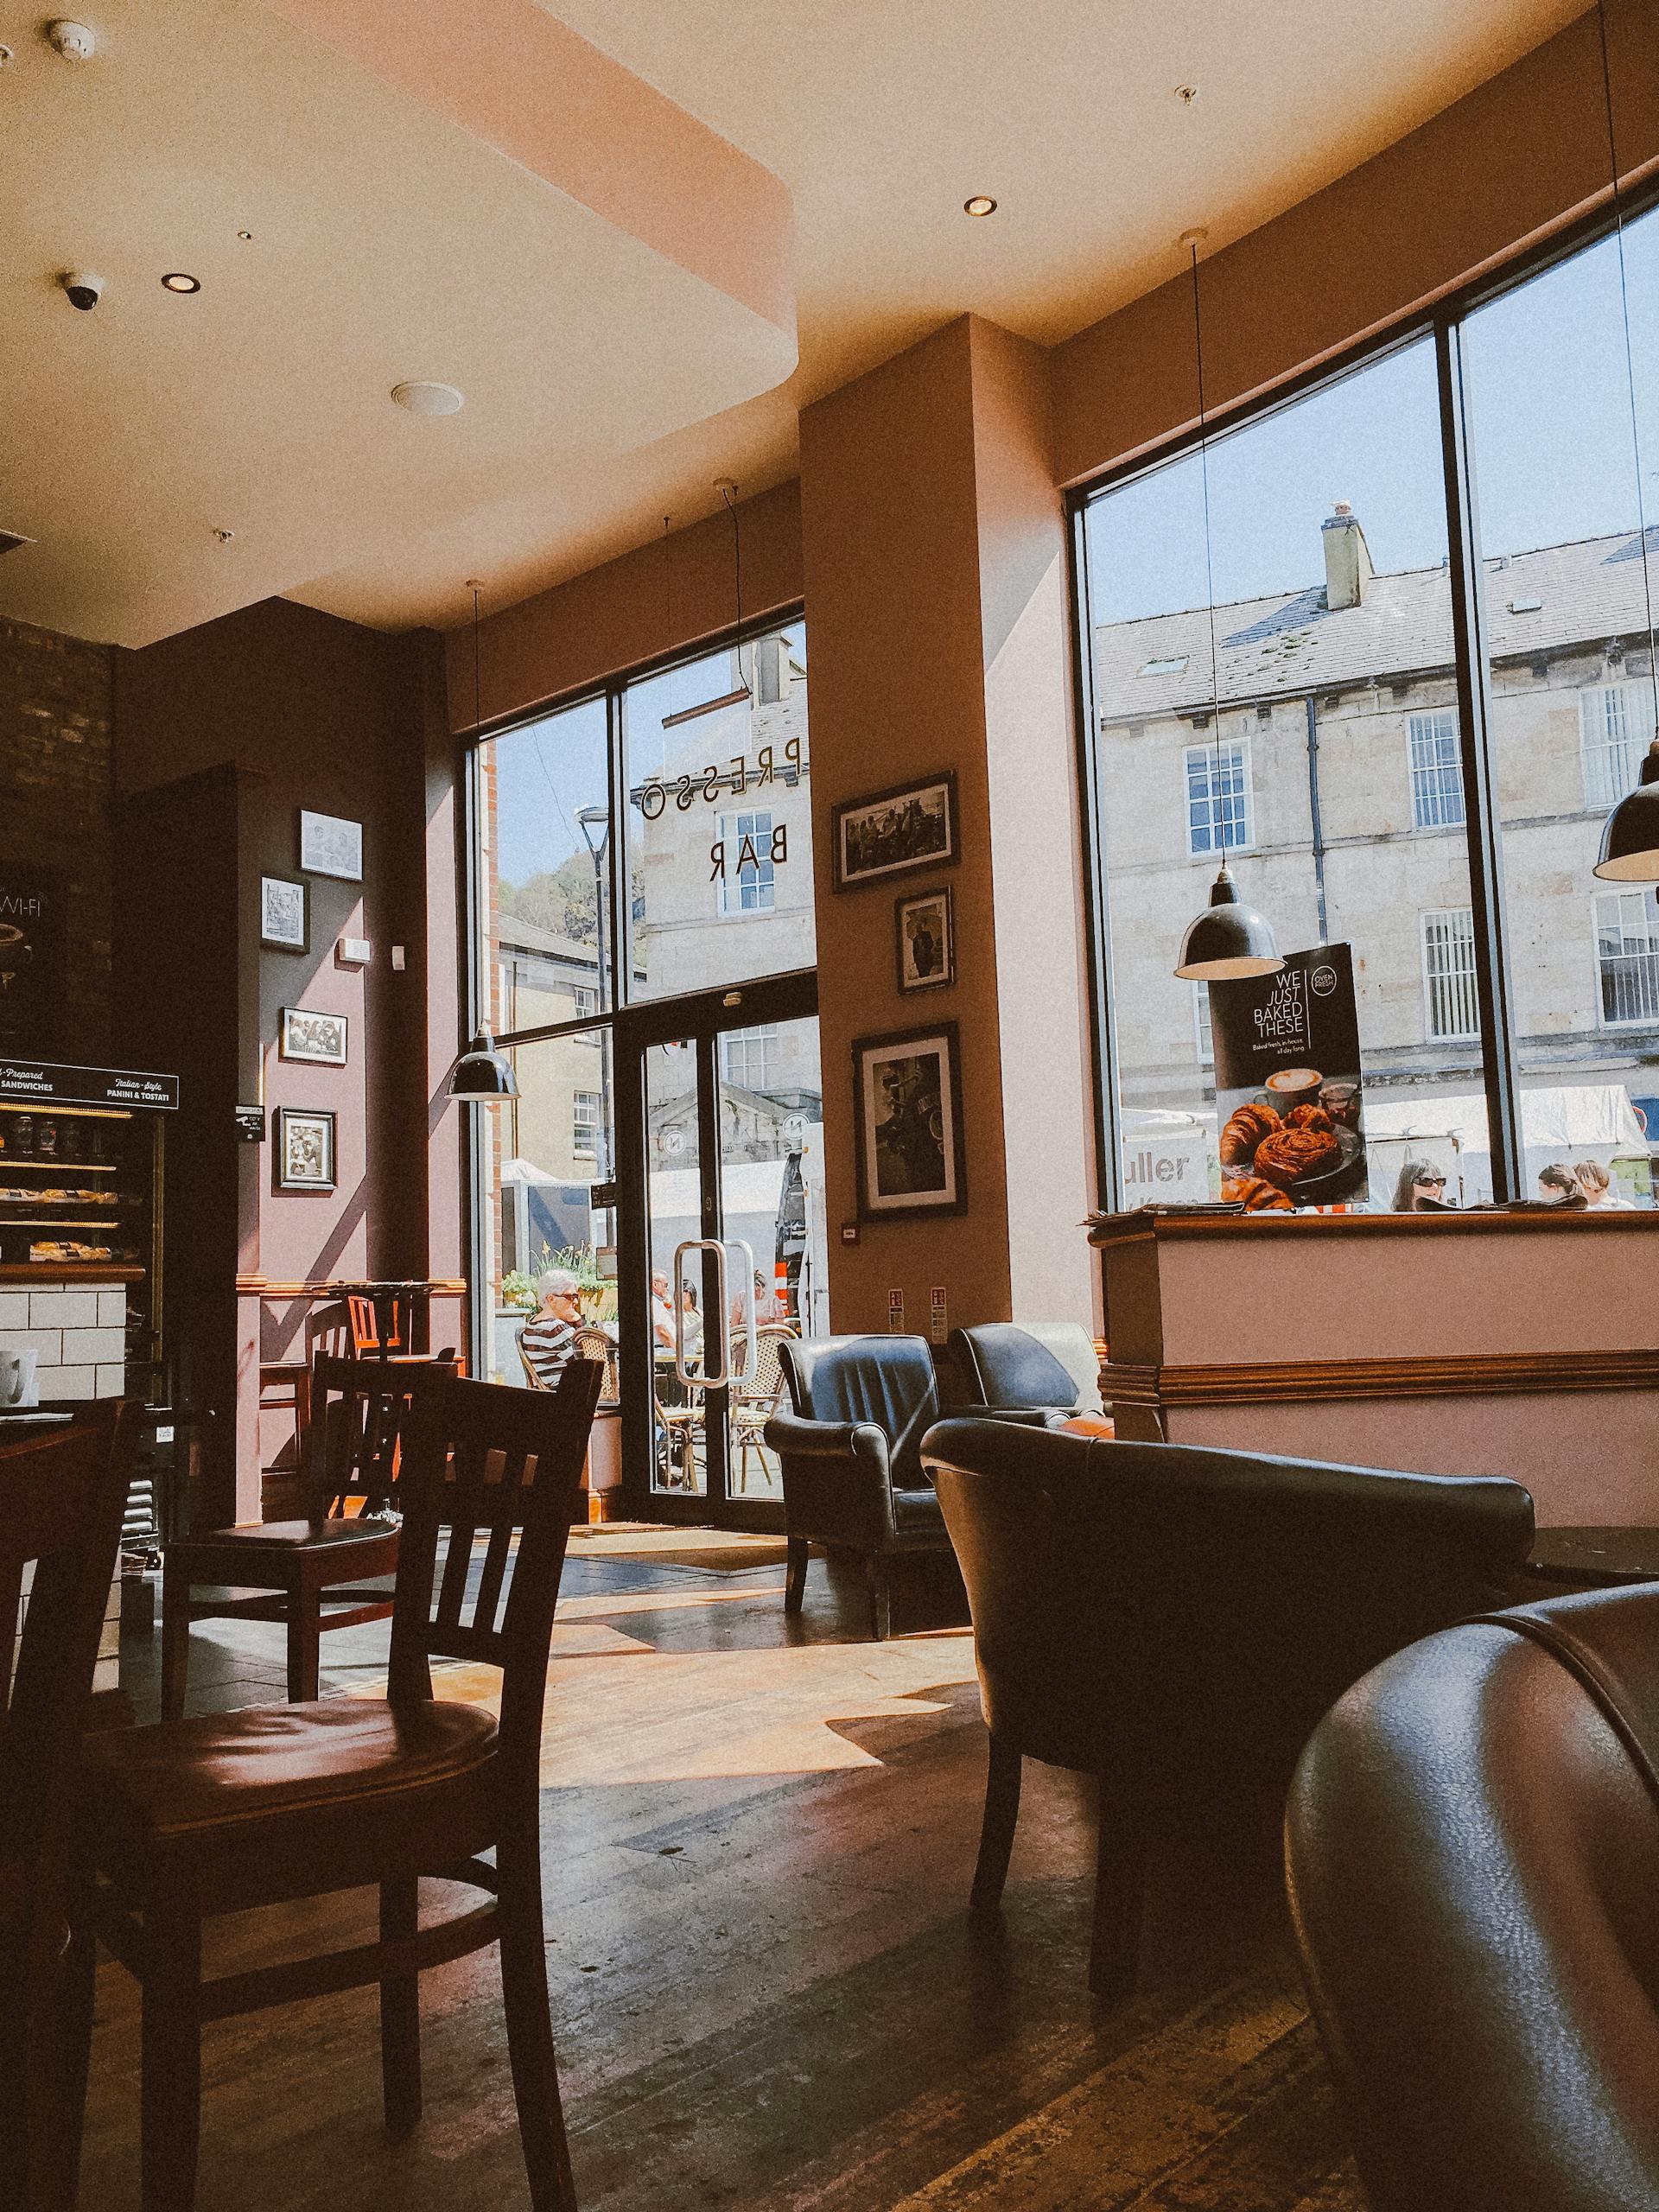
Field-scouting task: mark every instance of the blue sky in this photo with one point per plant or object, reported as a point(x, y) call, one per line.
point(1550, 409)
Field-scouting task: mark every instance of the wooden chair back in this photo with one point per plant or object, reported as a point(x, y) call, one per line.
point(479, 1457)
point(355, 1416)
point(62, 1500)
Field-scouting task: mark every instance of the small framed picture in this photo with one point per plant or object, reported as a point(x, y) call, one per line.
point(908, 1117)
point(305, 1150)
point(282, 913)
point(925, 946)
point(329, 845)
point(317, 1037)
point(894, 831)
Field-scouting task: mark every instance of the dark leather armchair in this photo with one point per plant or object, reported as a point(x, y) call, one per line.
point(1010, 1367)
point(1472, 1848)
point(1176, 1621)
point(849, 1447)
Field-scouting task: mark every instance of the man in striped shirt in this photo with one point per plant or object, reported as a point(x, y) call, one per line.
point(548, 1339)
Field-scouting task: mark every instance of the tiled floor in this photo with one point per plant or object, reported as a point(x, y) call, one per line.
point(757, 1837)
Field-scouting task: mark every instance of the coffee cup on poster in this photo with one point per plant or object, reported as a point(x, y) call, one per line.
point(1289, 1087)
point(1341, 1102)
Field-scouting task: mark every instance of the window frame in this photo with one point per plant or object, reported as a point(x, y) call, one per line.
point(765, 869)
point(1211, 753)
point(1630, 746)
point(1417, 771)
point(1442, 324)
point(1431, 1034)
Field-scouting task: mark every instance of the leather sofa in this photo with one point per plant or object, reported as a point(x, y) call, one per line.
point(1473, 1850)
point(1176, 1620)
point(849, 1444)
point(1008, 1366)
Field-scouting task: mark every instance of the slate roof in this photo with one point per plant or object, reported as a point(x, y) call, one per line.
point(1292, 643)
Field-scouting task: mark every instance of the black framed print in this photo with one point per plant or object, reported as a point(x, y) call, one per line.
point(282, 914)
point(305, 1150)
point(907, 1115)
point(330, 845)
point(925, 941)
point(891, 832)
point(307, 1035)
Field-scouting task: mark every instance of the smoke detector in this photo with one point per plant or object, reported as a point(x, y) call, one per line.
point(72, 39)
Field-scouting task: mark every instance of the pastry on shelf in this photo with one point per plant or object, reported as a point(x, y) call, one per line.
point(1254, 1195)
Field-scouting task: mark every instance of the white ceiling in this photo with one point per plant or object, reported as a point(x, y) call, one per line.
point(881, 119)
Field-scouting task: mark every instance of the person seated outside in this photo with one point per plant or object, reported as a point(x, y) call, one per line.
point(548, 1339)
point(768, 1306)
point(662, 1313)
point(693, 1325)
point(1600, 1190)
point(1559, 1186)
point(1421, 1188)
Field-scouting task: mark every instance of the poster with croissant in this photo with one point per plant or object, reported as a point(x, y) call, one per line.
point(1289, 1091)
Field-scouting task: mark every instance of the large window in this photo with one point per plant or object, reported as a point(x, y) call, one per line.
point(1322, 747)
point(711, 761)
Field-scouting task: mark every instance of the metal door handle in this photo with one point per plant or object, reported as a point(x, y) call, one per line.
point(709, 1378)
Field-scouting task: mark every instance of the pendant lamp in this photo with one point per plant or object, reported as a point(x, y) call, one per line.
point(1629, 837)
point(482, 1074)
point(1228, 939)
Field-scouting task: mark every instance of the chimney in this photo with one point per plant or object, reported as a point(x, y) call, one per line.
point(1347, 563)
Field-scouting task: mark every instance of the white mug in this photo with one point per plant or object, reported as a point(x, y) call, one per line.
point(19, 1385)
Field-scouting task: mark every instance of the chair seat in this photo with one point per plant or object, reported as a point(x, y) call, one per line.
point(293, 1536)
point(182, 1777)
point(917, 1511)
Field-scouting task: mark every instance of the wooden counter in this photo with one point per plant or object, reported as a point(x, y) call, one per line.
point(1522, 1343)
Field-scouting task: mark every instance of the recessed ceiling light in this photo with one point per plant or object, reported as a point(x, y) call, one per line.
point(177, 281)
point(421, 398)
point(980, 204)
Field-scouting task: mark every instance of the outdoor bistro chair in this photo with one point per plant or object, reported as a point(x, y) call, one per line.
point(352, 1416)
point(193, 1819)
point(1176, 1621)
point(754, 1401)
point(61, 1497)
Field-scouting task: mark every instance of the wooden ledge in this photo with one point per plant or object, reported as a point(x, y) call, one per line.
point(44, 1273)
point(1477, 1375)
point(1164, 1228)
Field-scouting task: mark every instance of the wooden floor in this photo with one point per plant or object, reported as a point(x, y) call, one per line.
point(758, 1838)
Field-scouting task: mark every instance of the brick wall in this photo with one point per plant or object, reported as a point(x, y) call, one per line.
point(56, 772)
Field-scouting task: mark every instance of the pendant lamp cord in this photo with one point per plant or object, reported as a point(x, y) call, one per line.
point(668, 587)
point(1216, 801)
point(1630, 356)
point(728, 496)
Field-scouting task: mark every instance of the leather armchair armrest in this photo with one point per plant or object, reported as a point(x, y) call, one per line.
point(1014, 1416)
point(858, 1440)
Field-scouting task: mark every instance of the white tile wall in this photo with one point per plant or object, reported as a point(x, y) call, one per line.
point(79, 1338)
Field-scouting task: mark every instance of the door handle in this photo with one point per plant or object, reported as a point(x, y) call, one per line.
point(710, 1378)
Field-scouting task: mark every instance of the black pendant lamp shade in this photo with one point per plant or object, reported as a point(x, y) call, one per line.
point(1629, 837)
point(1227, 940)
point(482, 1073)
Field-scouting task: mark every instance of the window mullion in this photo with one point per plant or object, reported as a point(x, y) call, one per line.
point(1493, 989)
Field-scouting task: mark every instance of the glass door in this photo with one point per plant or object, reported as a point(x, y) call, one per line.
point(724, 1177)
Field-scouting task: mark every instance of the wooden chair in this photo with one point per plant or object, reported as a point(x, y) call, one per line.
point(60, 1505)
point(225, 1813)
point(309, 1574)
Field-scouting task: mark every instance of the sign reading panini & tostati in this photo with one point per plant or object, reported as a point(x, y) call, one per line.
point(42, 1082)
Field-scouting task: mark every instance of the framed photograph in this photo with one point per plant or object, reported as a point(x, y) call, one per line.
point(907, 1113)
point(305, 1150)
point(318, 1036)
point(282, 913)
point(894, 831)
point(329, 845)
point(925, 943)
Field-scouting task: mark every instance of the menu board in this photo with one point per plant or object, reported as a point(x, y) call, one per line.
point(40, 1081)
point(1289, 1090)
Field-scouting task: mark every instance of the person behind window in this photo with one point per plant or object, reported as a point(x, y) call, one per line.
point(1598, 1189)
point(548, 1339)
point(768, 1306)
point(1421, 1189)
point(693, 1324)
point(662, 1314)
point(1559, 1186)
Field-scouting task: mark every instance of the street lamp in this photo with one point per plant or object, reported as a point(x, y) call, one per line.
point(590, 819)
